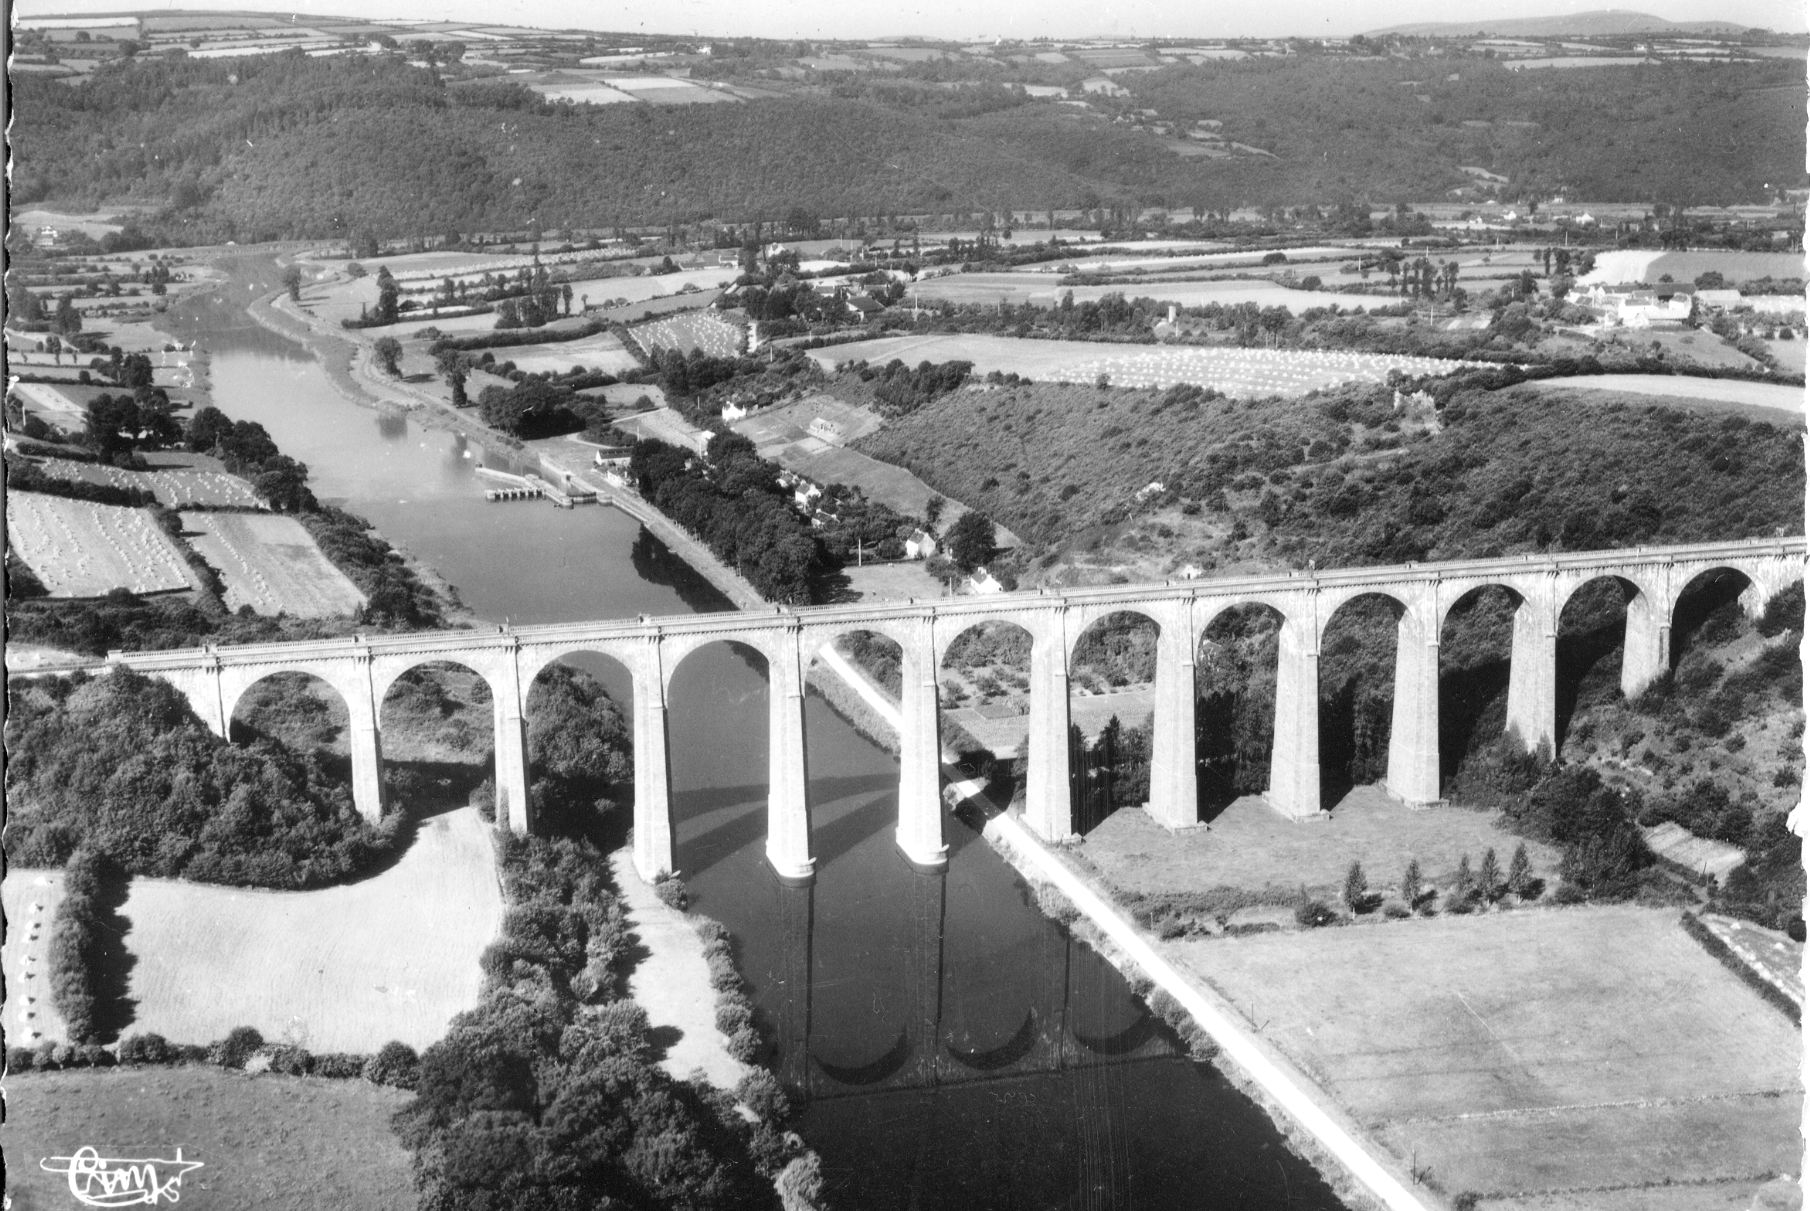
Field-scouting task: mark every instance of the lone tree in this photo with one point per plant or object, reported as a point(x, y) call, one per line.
point(1465, 883)
point(455, 366)
point(970, 541)
point(1410, 883)
point(1520, 872)
point(292, 282)
point(388, 349)
point(1355, 889)
point(1489, 877)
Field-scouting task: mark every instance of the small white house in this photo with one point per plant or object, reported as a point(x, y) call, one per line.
point(921, 544)
point(982, 583)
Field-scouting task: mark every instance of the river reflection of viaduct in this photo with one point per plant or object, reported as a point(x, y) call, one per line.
point(1653, 579)
point(1037, 1002)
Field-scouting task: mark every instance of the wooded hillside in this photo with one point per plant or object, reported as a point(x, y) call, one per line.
point(288, 146)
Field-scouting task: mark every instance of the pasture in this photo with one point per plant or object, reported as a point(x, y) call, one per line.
point(1238, 372)
point(346, 968)
point(1250, 845)
point(1044, 291)
point(1578, 1052)
point(80, 549)
point(30, 898)
point(697, 330)
point(1648, 266)
point(178, 481)
point(272, 564)
point(602, 351)
point(1777, 397)
point(274, 1142)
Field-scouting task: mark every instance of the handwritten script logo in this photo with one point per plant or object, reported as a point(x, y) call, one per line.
point(99, 1181)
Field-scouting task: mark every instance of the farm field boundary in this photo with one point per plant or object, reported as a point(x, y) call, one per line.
point(272, 564)
point(1242, 372)
point(82, 549)
point(345, 968)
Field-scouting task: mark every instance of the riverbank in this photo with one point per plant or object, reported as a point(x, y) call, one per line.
point(672, 983)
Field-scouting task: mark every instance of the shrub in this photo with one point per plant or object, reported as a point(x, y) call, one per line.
point(1410, 883)
point(19, 1059)
point(290, 1060)
point(1356, 889)
point(93, 1055)
point(339, 1065)
point(744, 1045)
point(733, 1014)
point(1395, 910)
point(395, 1064)
point(762, 1093)
point(1052, 903)
point(801, 1186)
point(1569, 894)
point(239, 1045)
point(1311, 913)
point(145, 1049)
point(671, 891)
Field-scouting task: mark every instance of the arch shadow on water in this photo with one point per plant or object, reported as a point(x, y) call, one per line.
point(743, 809)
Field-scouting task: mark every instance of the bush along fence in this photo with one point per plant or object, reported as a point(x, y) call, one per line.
point(84, 967)
point(1724, 954)
point(243, 1048)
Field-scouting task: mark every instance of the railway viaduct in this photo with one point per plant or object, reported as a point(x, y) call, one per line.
point(1653, 579)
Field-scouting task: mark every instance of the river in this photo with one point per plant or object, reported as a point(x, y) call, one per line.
point(960, 1050)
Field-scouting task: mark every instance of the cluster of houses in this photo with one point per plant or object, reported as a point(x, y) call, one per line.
point(1671, 306)
point(1621, 308)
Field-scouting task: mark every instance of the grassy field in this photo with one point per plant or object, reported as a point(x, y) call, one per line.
point(179, 481)
point(1045, 290)
point(1635, 265)
point(601, 352)
point(272, 1142)
point(1250, 845)
point(1236, 372)
point(704, 330)
point(1774, 397)
point(343, 969)
point(30, 898)
point(270, 563)
point(80, 549)
point(1573, 1053)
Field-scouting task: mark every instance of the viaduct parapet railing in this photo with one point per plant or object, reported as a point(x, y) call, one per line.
point(362, 669)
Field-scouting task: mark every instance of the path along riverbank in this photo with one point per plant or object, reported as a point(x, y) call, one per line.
point(1324, 1134)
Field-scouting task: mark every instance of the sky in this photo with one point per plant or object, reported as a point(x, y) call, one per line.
point(968, 19)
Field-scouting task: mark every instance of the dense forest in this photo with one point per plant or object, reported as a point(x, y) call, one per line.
point(121, 765)
point(291, 146)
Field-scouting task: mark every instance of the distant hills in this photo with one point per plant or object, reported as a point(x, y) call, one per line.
point(1599, 23)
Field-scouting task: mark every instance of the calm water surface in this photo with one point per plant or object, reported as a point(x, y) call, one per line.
point(959, 1050)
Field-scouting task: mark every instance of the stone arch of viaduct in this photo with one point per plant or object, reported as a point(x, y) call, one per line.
point(363, 669)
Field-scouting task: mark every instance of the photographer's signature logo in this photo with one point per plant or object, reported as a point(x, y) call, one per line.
point(100, 1181)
